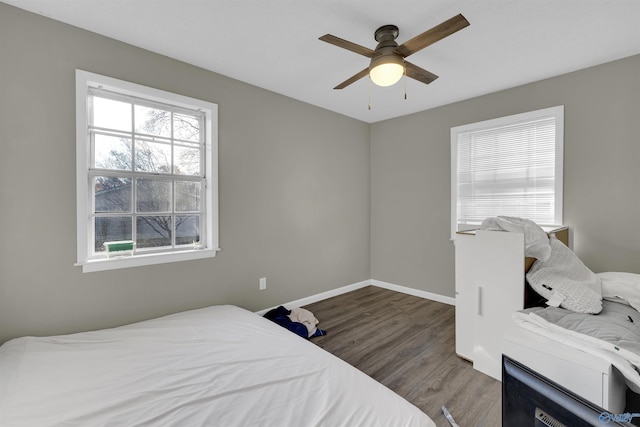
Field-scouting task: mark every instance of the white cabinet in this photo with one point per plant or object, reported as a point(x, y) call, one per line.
point(464, 274)
point(489, 272)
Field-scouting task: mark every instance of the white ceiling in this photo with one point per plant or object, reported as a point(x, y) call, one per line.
point(274, 44)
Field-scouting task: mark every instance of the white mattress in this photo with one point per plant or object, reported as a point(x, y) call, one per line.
point(217, 366)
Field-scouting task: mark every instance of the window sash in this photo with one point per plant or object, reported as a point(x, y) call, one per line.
point(510, 166)
point(136, 136)
point(134, 212)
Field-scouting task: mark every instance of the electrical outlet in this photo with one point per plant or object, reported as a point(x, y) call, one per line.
point(262, 284)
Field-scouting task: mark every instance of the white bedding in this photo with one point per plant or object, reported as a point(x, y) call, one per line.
point(217, 366)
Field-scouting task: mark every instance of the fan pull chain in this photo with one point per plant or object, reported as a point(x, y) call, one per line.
point(369, 90)
point(405, 82)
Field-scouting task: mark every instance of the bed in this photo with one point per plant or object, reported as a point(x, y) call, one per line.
point(579, 329)
point(594, 356)
point(220, 365)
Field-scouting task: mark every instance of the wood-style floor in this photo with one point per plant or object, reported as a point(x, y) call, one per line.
point(408, 344)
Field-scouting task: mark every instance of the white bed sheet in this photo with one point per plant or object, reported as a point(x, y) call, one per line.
point(217, 366)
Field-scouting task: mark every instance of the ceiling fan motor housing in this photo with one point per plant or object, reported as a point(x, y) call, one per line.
point(386, 38)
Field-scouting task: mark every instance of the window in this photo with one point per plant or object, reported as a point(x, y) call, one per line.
point(146, 175)
point(509, 166)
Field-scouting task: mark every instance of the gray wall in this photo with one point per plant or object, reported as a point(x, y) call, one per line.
point(411, 175)
point(294, 190)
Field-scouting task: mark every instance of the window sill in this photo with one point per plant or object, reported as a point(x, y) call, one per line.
point(147, 259)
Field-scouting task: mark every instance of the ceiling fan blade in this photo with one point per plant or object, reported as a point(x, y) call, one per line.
point(431, 36)
point(345, 44)
point(418, 73)
point(353, 79)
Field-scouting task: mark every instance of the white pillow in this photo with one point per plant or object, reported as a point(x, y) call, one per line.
point(536, 242)
point(621, 287)
point(565, 281)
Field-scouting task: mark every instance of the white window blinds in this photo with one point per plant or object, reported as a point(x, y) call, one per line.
point(510, 166)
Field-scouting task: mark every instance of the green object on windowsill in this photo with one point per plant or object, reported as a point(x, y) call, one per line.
point(119, 247)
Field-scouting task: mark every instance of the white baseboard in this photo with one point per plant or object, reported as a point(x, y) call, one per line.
point(343, 290)
point(320, 296)
point(415, 292)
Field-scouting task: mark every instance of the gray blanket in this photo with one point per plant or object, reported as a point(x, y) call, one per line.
point(613, 334)
point(617, 324)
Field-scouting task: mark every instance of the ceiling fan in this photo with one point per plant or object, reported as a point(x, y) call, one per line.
point(387, 60)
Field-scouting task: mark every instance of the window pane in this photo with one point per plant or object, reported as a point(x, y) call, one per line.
point(153, 231)
point(187, 196)
point(153, 195)
point(153, 157)
point(110, 229)
point(187, 229)
point(112, 194)
point(153, 121)
point(187, 160)
point(112, 152)
point(186, 127)
point(111, 114)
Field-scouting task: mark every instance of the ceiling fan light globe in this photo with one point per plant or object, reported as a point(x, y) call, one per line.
point(386, 71)
point(386, 74)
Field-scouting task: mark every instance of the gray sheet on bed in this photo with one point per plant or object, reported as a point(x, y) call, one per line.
point(617, 323)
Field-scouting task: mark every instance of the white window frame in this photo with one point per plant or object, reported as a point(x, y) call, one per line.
point(84, 82)
point(557, 112)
